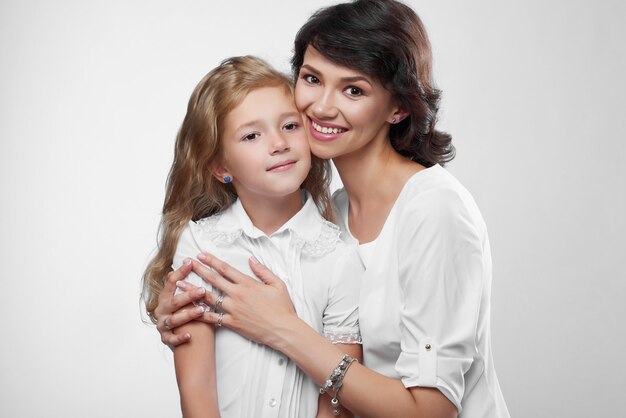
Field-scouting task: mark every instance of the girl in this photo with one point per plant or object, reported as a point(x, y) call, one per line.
point(243, 184)
point(365, 88)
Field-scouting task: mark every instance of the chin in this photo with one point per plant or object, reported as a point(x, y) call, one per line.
point(323, 151)
point(287, 189)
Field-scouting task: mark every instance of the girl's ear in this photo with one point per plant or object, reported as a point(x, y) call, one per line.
point(221, 173)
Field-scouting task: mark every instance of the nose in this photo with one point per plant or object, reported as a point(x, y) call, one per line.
point(324, 106)
point(278, 144)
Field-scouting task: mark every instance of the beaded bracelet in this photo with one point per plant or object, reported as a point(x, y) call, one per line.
point(335, 381)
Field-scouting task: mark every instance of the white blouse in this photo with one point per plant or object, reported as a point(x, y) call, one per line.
point(322, 274)
point(425, 296)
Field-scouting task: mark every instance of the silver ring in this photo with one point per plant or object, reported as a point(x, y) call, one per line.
point(166, 325)
point(218, 302)
point(219, 319)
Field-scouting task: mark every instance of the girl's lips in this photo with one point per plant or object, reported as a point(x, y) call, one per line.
point(329, 136)
point(283, 166)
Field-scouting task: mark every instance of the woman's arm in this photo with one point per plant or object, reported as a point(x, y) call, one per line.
point(364, 392)
point(263, 312)
point(195, 371)
point(325, 408)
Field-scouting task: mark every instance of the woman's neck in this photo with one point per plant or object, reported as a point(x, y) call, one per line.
point(270, 213)
point(373, 177)
point(374, 173)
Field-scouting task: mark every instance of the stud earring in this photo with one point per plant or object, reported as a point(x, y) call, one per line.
point(227, 179)
point(393, 120)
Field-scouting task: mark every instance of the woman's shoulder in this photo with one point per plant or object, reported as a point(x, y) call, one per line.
point(434, 186)
point(436, 193)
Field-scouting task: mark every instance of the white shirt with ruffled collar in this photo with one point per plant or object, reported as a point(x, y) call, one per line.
point(322, 274)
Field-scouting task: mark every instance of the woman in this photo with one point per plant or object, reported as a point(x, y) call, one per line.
point(364, 87)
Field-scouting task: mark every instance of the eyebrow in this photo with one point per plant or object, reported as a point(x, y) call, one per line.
point(252, 123)
point(343, 79)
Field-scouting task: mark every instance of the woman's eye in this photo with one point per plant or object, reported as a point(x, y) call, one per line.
point(291, 126)
point(250, 137)
point(354, 91)
point(311, 79)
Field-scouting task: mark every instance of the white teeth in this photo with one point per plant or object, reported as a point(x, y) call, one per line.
point(326, 130)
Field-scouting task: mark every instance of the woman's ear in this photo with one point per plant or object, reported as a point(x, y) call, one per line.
point(398, 115)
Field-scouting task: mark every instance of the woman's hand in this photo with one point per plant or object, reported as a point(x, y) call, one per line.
point(176, 310)
point(253, 309)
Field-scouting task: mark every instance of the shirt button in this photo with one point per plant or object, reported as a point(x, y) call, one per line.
point(273, 402)
point(281, 361)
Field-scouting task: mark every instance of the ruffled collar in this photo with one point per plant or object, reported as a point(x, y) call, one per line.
point(310, 231)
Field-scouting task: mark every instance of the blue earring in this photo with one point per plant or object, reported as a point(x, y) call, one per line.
point(227, 179)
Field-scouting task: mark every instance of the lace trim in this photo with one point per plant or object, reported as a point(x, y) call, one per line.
point(324, 243)
point(343, 337)
point(208, 228)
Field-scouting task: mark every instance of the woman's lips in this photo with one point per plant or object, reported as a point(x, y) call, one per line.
point(325, 132)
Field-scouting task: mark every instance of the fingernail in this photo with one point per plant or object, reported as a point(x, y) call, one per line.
point(187, 261)
point(181, 285)
point(187, 336)
point(254, 260)
point(201, 291)
point(198, 310)
point(201, 256)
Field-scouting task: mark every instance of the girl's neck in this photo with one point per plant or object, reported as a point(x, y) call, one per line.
point(270, 213)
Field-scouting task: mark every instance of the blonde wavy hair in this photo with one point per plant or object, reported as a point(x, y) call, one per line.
point(192, 192)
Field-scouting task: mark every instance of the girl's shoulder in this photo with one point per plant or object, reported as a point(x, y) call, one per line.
point(216, 229)
point(326, 240)
point(315, 235)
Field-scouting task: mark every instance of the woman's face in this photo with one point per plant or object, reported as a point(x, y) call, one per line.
point(344, 110)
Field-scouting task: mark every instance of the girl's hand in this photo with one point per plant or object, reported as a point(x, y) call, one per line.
point(253, 309)
point(176, 310)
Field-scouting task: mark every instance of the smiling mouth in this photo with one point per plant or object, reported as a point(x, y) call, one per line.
point(285, 165)
point(325, 129)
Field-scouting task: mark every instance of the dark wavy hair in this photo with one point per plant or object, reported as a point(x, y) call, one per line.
point(386, 40)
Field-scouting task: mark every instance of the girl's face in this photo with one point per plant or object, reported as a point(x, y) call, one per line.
point(266, 152)
point(344, 110)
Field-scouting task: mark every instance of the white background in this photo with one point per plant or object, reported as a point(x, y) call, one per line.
point(91, 97)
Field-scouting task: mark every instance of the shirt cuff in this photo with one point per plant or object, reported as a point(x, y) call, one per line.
point(427, 368)
point(343, 335)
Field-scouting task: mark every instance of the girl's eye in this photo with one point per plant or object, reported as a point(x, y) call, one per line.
point(311, 79)
point(291, 126)
point(250, 137)
point(354, 91)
